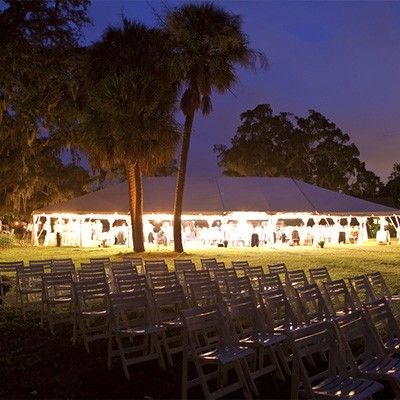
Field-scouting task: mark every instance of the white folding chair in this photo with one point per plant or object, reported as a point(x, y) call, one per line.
point(319, 275)
point(240, 267)
point(205, 293)
point(92, 271)
point(380, 287)
point(181, 266)
point(205, 261)
point(191, 277)
point(57, 294)
point(121, 269)
point(239, 287)
point(208, 342)
point(313, 306)
point(255, 274)
point(339, 299)
point(280, 269)
point(364, 354)
point(252, 331)
point(361, 290)
point(163, 280)
point(155, 267)
point(269, 282)
point(381, 317)
point(168, 303)
point(63, 265)
point(138, 337)
point(297, 278)
point(221, 276)
point(132, 283)
point(324, 380)
point(91, 310)
point(29, 286)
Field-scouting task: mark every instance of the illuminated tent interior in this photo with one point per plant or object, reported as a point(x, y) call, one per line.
point(232, 211)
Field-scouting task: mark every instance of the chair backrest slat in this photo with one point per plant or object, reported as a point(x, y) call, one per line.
point(280, 269)
point(339, 297)
point(133, 283)
point(155, 267)
point(297, 278)
point(361, 290)
point(312, 304)
point(319, 275)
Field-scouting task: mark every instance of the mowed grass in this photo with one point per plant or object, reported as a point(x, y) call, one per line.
point(36, 364)
point(342, 261)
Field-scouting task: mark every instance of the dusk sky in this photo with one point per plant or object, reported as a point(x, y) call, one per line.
point(339, 58)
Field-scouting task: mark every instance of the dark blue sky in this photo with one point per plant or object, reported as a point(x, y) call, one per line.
point(339, 58)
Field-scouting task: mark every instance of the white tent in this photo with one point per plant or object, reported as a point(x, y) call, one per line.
point(226, 197)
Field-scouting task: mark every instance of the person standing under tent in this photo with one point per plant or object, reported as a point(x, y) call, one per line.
point(58, 230)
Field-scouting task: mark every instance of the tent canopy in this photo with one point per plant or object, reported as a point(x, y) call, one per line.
point(223, 195)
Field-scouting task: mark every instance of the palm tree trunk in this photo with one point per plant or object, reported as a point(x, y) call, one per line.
point(136, 204)
point(180, 182)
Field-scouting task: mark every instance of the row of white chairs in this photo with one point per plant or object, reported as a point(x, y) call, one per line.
point(228, 317)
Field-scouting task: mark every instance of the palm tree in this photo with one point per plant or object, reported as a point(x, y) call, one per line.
point(208, 45)
point(130, 110)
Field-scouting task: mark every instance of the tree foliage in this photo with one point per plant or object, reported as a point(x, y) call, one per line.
point(129, 116)
point(312, 149)
point(39, 58)
point(392, 187)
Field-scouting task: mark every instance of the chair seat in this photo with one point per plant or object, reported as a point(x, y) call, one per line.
point(226, 355)
point(100, 313)
point(346, 387)
point(59, 300)
point(381, 365)
point(263, 339)
point(173, 323)
point(142, 330)
point(392, 344)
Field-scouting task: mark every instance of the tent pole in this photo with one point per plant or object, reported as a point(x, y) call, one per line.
point(81, 220)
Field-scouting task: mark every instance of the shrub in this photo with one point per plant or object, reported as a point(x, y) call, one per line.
point(7, 241)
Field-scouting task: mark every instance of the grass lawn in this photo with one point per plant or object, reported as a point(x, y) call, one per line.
point(36, 364)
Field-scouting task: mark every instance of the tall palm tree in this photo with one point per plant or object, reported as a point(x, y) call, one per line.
point(208, 45)
point(130, 109)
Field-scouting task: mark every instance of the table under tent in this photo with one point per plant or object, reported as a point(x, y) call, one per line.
point(226, 211)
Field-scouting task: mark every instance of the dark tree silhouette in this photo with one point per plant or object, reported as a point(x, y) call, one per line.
point(312, 149)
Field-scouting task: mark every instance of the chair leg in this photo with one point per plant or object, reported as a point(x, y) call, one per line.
point(185, 360)
point(278, 368)
point(75, 329)
point(157, 346)
point(109, 353)
point(202, 378)
point(122, 356)
point(283, 360)
point(242, 378)
point(167, 350)
point(50, 317)
point(247, 373)
point(23, 307)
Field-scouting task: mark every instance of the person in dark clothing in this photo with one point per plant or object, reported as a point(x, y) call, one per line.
point(255, 240)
